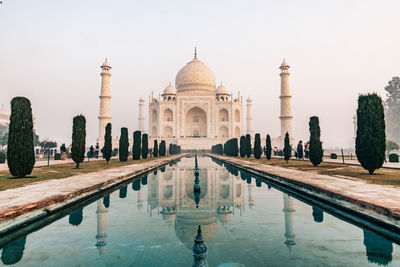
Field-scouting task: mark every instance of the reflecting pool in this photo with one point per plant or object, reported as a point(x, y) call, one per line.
point(235, 220)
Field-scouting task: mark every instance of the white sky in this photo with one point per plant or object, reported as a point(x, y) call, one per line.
point(50, 52)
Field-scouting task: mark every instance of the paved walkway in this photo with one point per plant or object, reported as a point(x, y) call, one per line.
point(384, 200)
point(52, 194)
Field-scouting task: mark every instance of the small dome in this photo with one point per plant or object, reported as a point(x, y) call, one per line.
point(169, 90)
point(249, 100)
point(284, 64)
point(106, 64)
point(221, 90)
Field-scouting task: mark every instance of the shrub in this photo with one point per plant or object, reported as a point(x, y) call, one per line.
point(316, 152)
point(333, 156)
point(137, 142)
point(268, 147)
point(242, 146)
point(280, 153)
point(145, 145)
point(286, 149)
point(124, 145)
point(57, 156)
point(162, 149)
point(107, 149)
point(371, 137)
point(248, 145)
point(78, 139)
point(257, 146)
point(2, 157)
point(393, 157)
point(20, 151)
point(155, 148)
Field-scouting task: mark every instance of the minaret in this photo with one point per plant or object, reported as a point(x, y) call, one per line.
point(101, 226)
point(250, 116)
point(289, 211)
point(105, 101)
point(141, 114)
point(286, 109)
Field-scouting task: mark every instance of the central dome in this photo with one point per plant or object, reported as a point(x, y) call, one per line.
point(195, 76)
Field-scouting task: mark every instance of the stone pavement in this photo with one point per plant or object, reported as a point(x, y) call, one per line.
point(53, 194)
point(381, 202)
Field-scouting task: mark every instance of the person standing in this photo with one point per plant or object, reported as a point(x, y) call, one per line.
point(300, 150)
point(91, 151)
point(63, 151)
point(96, 152)
point(307, 150)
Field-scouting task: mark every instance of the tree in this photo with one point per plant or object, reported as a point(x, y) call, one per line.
point(316, 151)
point(124, 145)
point(48, 144)
point(242, 146)
point(107, 149)
point(155, 148)
point(162, 149)
point(371, 137)
point(286, 149)
point(257, 146)
point(390, 146)
point(392, 109)
point(268, 147)
point(20, 151)
point(248, 145)
point(78, 139)
point(145, 145)
point(235, 149)
point(137, 143)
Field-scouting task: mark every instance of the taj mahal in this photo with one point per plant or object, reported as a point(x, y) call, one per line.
point(196, 113)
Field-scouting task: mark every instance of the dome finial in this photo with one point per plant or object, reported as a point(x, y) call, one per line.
point(195, 52)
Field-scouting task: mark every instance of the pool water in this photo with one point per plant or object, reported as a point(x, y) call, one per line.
point(243, 222)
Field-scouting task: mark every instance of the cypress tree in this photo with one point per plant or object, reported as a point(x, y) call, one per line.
point(235, 149)
point(371, 138)
point(248, 145)
point(145, 145)
point(286, 150)
point(137, 142)
point(242, 146)
point(316, 152)
point(124, 145)
point(20, 151)
point(268, 147)
point(107, 149)
point(162, 149)
point(155, 148)
point(257, 146)
point(78, 139)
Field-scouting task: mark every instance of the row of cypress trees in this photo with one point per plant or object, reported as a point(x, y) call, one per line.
point(231, 147)
point(217, 149)
point(174, 149)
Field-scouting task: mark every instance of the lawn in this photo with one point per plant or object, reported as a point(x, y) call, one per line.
point(7, 181)
point(381, 176)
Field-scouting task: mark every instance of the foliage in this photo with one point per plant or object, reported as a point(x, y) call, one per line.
point(392, 157)
point(162, 149)
point(257, 146)
point(124, 145)
point(392, 109)
point(286, 149)
point(242, 146)
point(155, 148)
point(20, 151)
point(371, 137)
point(107, 149)
point(333, 156)
point(137, 143)
point(268, 147)
point(48, 144)
point(2, 157)
point(248, 145)
point(217, 149)
point(174, 149)
point(78, 139)
point(145, 145)
point(231, 147)
point(316, 153)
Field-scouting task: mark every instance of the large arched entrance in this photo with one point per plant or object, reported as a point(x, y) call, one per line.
point(196, 123)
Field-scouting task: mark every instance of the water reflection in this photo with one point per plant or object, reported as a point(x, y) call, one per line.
point(379, 250)
point(101, 212)
point(13, 252)
point(76, 217)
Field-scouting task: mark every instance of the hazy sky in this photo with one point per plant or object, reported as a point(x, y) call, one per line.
point(50, 52)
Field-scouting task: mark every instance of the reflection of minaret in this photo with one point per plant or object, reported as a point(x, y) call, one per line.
point(101, 226)
point(289, 210)
point(140, 199)
point(199, 251)
point(250, 187)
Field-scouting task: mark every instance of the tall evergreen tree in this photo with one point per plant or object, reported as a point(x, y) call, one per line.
point(137, 142)
point(286, 149)
point(155, 148)
point(248, 145)
point(107, 149)
point(20, 151)
point(78, 139)
point(268, 147)
point(242, 146)
point(145, 145)
point(162, 149)
point(316, 151)
point(371, 138)
point(124, 145)
point(235, 149)
point(257, 146)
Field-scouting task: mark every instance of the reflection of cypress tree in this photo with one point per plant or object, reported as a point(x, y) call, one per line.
point(144, 180)
point(318, 214)
point(244, 175)
point(248, 180)
point(378, 249)
point(106, 201)
point(162, 169)
point(155, 172)
point(76, 217)
point(136, 185)
point(13, 252)
point(232, 170)
point(269, 187)
point(258, 183)
point(123, 191)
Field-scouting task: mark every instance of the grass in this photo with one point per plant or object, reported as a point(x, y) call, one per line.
point(383, 176)
point(7, 181)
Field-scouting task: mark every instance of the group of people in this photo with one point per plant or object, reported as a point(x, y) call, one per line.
point(301, 152)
